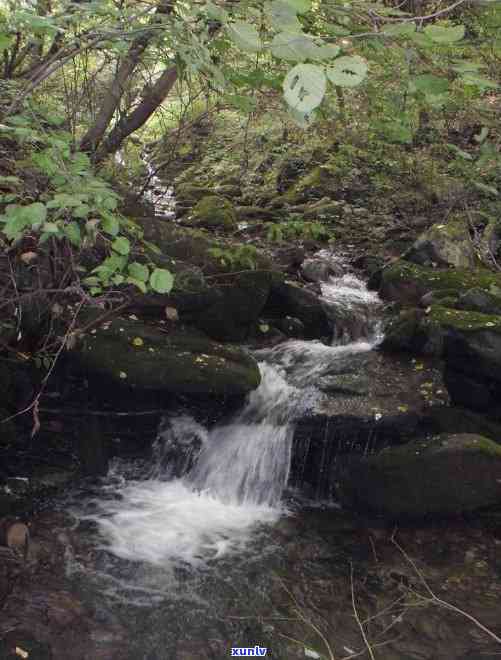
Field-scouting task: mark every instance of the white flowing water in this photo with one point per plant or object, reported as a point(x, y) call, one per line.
point(209, 491)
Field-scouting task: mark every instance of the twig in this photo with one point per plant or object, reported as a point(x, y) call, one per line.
point(433, 598)
point(357, 618)
point(34, 404)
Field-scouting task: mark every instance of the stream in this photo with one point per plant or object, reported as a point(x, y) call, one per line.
point(205, 546)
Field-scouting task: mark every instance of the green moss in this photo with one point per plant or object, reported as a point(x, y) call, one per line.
point(463, 320)
point(215, 212)
point(445, 474)
point(134, 355)
point(408, 282)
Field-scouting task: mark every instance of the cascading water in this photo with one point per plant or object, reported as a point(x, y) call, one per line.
point(209, 490)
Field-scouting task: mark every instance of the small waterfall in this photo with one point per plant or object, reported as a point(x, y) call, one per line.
point(208, 489)
point(353, 309)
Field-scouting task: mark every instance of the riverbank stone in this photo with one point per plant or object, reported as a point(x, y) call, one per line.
point(442, 475)
point(131, 355)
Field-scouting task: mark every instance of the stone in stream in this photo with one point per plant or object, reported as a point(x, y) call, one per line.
point(373, 401)
point(136, 359)
point(445, 244)
point(288, 299)
point(441, 475)
point(407, 282)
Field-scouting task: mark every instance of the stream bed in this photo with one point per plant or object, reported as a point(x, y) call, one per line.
point(204, 546)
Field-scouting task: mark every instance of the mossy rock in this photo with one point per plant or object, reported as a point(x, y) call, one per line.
point(130, 355)
point(443, 331)
point(214, 212)
point(445, 244)
point(318, 182)
point(443, 475)
point(407, 283)
point(188, 194)
point(478, 300)
point(235, 313)
point(183, 249)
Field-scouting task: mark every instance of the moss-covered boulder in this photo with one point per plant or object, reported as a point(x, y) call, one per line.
point(130, 356)
point(479, 300)
point(444, 244)
point(188, 194)
point(442, 475)
point(241, 301)
point(214, 212)
point(407, 282)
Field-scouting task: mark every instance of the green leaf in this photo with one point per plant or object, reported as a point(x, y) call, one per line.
point(290, 46)
point(245, 36)
point(216, 13)
point(81, 211)
point(72, 233)
point(442, 34)
point(400, 30)
point(347, 71)
point(300, 6)
point(110, 224)
point(121, 245)
point(459, 152)
point(139, 271)
point(490, 190)
point(304, 87)
point(36, 213)
point(429, 84)
point(50, 228)
point(161, 280)
point(139, 283)
point(479, 81)
point(282, 16)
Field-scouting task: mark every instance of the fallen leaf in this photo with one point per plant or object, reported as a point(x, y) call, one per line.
point(171, 314)
point(21, 652)
point(28, 257)
point(137, 341)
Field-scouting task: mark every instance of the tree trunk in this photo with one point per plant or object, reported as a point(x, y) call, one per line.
point(91, 140)
point(151, 101)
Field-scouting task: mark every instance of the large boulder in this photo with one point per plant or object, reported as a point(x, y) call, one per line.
point(407, 282)
point(132, 357)
point(442, 475)
point(214, 212)
point(444, 244)
point(288, 299)
point(232, 316)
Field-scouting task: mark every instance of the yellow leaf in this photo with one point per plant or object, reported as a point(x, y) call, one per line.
point(419, 366)
point(403, 408)
point(21, 652)
point(137, 341)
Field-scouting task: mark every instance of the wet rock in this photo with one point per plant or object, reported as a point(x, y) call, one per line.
point(373, 401)
point(291, 327)
point(232, 316)
point(479, 300)
point(320, 269)
point(407, 283)
point(290, 300)
point(137, 358)
point(444, 244)
point(214, 212)
point(442, 475)
point(188, 194)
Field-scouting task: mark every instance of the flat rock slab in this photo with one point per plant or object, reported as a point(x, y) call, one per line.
point(129, 354)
